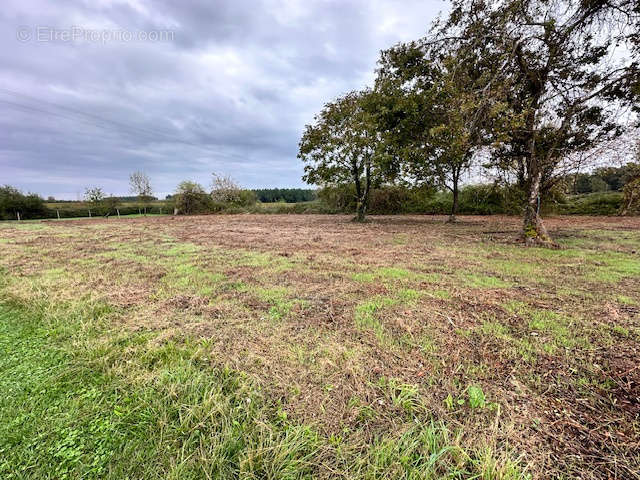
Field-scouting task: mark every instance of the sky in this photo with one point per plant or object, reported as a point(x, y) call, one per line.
point(92, 90)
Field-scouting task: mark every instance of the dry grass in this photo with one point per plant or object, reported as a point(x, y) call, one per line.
point(349, 324)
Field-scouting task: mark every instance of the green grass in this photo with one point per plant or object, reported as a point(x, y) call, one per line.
point(367, 315)
point(129, 350)
point(484, 281)
point(121, 405)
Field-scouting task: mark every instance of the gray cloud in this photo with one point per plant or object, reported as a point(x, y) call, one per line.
point(230, 92)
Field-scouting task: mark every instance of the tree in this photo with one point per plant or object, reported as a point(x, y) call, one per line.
point(225, 190)
point(140, 185)
point(93, 195)
point(191, 198)
point(438, 121)
point(631, 191)
point(102, 204)
point(551, 69)
point(343, 146)
point(110, 205)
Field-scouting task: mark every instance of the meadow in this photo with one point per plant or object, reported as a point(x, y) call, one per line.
point(308, 346)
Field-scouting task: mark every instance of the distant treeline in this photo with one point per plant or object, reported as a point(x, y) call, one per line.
point(287, 195)
point(128, 199)
point(483, 199)
point(14, 204)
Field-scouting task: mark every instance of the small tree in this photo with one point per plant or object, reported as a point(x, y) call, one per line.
point(225, 190)
point(110, 205)
point(631, 191)
point(631, 199)
point(140, 185)
point(102, 204)
point(191, 198)
point(344, 146)
point(93, 195)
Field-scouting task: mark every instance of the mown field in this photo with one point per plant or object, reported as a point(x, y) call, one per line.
point(307, 346)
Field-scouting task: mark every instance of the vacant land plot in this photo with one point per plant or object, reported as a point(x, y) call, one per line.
point(308, 346)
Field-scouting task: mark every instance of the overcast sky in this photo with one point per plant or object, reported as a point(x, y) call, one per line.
point(93, 90)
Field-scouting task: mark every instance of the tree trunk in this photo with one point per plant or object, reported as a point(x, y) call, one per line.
point(534, 232)
point(454, 206)
point(363, 195)
point(361, 211)
point(455, 190)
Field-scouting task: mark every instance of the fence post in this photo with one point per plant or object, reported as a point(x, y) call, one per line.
point(89, 213)
point(118, 210)
point(18, 213)
point(139, 211)
point(58, 213)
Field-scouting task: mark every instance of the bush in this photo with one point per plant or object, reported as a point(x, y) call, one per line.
point(605, 203)
point(14, 202)
point(190, 198)
point(388, 200)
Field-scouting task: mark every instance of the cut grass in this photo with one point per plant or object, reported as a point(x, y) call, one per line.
point(361, 356)
point(124, 406)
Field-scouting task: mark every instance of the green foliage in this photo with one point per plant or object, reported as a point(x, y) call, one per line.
point(287, 195)
point(603, 179)
point(100, 204)
point(476, 397)
point(605, 203)
point(385, 200)
point(190, 198)
point(343, 146)
point(474, 200)
point(14, 202)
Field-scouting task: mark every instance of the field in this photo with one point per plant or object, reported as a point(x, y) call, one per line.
point(307, 346)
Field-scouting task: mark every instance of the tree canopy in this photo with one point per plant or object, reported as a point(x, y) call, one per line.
point(529, 85)
point(344, 146)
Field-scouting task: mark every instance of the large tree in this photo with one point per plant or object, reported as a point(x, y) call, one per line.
point(344, 146)
point(561, 69)
point(437, 121)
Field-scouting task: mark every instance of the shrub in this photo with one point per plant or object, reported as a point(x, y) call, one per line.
point(190, 198)
point(605, 203)
point(14, 202)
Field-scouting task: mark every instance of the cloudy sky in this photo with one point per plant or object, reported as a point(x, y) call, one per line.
point(91, 90)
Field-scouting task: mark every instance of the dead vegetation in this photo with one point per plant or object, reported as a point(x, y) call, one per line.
point(335, 319)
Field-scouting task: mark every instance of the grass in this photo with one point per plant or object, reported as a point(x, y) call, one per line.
point(309, 347)
point(124, 406)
